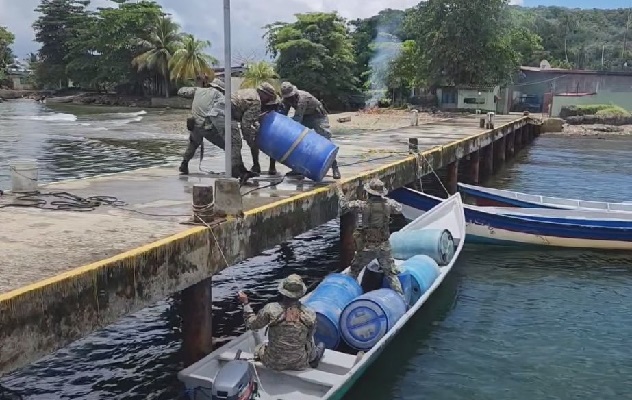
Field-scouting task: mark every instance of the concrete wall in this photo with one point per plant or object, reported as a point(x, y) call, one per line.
point(622, 99)
point(45, 316)
point(484, 100)
point(538, 83)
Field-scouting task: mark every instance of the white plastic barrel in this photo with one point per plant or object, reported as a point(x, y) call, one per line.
point(24, 175)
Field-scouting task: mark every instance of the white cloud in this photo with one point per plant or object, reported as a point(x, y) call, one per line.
point(205, 20)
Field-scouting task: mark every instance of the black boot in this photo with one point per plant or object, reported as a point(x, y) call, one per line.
point(335, 171)
point(243, 174)
point(272, 169)
point(256, 167)
point(317, 355)
point(184, 168)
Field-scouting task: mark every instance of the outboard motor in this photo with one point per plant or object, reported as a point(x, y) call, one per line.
point(237, 380)
point(372, 277)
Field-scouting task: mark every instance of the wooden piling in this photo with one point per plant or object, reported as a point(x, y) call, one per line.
point(511, 143)
point(473, 173)
point(453, 177)
point(202, 203)
point(197, 334)
point(488, 161)
point(348, 224)
point(499, 153)
point(413, 145)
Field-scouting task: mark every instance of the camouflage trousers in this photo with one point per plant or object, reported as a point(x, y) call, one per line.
point(215, 135)
point(319, 123)
point(367, 251)
point(285, 362)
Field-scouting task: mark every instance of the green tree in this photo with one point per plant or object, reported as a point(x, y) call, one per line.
point(162, 43)
point(6, 41)
point(190, 61)
point(58, 24)
point(101, 54)
point(316, 52)
point(258, 73)
point(463, 42)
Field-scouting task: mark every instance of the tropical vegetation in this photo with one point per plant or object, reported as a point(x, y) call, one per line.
point(133, 47)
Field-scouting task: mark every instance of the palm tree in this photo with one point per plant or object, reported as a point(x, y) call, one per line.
point(258, 73)
point(190, 61)
point(162, 43)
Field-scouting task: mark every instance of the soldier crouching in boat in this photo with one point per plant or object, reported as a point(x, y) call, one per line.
point(291, 329)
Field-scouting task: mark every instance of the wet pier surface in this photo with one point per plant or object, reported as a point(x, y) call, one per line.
point(97, 264)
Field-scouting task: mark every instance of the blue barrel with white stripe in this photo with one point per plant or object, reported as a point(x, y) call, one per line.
point(438, 244)
point(328, 300)
point(295, 146)
point(365, 321)
point(419, 273)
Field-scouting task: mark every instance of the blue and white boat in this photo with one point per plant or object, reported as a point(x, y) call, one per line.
point(231, 371)
point(543, 227)
point(506, 198)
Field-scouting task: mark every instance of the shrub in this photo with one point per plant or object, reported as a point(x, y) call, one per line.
point(593, 109)
point(612, 111)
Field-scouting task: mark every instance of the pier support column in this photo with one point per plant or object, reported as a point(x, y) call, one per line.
point(452, 177)
point(511, 140)
point(519, 138)
point(348, 224)
point(197, 334)
point(487, 161)
point(499, 153)
point(474, 168)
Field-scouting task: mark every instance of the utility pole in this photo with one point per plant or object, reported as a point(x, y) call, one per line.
point(228, 91)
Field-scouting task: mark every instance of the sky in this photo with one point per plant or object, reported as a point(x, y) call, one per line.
point(204, 18)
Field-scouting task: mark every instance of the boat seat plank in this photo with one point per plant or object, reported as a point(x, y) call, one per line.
point(309, 375)
point(339, 359)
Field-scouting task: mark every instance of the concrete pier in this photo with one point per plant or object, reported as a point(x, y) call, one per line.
point(64, 274)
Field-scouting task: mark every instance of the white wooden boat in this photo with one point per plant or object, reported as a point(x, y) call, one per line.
point(542, 227)
point(507, 198)
point(337, 371)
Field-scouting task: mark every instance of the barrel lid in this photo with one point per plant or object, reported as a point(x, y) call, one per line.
point(363, 323)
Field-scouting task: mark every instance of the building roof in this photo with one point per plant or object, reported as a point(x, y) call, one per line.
point(574, 71)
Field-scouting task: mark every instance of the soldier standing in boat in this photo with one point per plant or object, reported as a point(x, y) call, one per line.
point(372, 238)
point(309, 111)
point(291, 327)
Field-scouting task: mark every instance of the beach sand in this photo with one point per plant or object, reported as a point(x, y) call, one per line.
point(174, 121)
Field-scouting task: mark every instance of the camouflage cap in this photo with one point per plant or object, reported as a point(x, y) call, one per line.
point(287, 90)
point(292, 287)
point(375, 187)
point(269, 90)
point(218, 83)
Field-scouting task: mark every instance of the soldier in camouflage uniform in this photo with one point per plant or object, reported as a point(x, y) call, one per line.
point(371, 239)
point(207, 102)
point(247, 107)
point(291, 327)
point(309, 111)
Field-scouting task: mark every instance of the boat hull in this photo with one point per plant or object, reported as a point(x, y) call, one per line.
point(486, 197)
point(508, 230)
point(338, 371)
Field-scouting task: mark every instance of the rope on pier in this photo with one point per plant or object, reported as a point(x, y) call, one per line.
point(65, 201)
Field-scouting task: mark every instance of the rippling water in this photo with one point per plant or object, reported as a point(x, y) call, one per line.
point(553, 324)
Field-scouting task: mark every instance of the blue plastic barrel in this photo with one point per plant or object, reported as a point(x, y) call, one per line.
point(311, 155)
point(435, 243)
point(328, 300)
point(420, 272)
point(368, 318)
point(406, 280)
